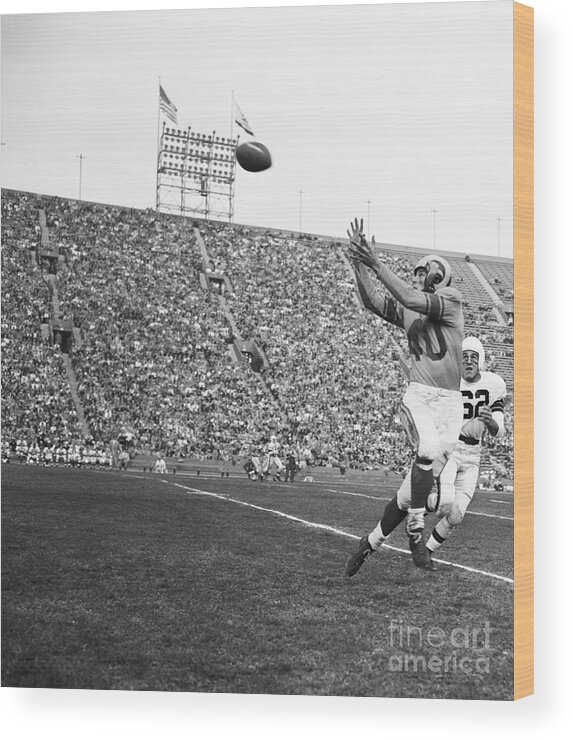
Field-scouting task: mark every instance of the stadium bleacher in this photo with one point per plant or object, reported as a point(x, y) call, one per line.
point(500, 276)
point(36, 397)
point(157, 362)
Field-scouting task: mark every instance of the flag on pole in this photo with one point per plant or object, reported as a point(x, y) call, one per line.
point(167, 106)
point(241, 121)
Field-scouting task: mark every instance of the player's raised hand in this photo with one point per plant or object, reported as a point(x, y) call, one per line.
point(356, 232)
point(486, 415)
point(360, 250)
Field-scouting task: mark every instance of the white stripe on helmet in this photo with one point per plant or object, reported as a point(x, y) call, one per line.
point(444, 264)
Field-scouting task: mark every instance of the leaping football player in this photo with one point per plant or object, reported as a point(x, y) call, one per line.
point(431, 314)
point(484, 399)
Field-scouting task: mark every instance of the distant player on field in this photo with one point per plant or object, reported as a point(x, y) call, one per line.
point(484, 397)
point(160, 466)
point(272, 458)
point(431, 314)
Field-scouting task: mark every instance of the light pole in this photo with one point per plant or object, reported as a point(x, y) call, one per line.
point(435, 212)
point(300, 211)
point(81, 158)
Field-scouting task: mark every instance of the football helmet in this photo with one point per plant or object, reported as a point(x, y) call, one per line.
point(438, 272)
point(473, 344)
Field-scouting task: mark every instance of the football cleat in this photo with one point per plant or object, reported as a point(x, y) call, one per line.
point(420, 553)
point(431, 565)
point(356, 561)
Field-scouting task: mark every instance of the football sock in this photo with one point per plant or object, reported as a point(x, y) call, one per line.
point(376, 537)
point(391, 518)
point(422, 482)
point(440, 533)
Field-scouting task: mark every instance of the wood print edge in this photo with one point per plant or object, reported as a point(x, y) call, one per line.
point(523, 104)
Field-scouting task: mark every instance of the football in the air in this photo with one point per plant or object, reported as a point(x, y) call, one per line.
point(253, 156)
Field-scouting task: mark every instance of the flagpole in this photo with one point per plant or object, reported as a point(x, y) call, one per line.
point(157, 166)
point(232, 110)
point(158, 115)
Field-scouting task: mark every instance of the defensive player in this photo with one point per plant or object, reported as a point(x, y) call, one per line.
point(432, 316)
point(484, 398)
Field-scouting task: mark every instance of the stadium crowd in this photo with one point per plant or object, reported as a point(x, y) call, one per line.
point(154, 368)
point(154, 356)
point(296, 298)
point(36, 400)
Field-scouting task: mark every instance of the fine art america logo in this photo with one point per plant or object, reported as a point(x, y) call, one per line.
point(462, 649)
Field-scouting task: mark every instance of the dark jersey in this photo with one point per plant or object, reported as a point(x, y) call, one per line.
point(434, 325)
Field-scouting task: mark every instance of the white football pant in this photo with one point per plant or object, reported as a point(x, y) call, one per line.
point(458, 482)
point(432, 419)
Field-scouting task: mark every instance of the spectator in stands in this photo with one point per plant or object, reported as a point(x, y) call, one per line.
point(155, 354)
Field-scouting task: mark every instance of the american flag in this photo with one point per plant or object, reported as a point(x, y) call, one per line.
point(167, 106)
point(241, 121)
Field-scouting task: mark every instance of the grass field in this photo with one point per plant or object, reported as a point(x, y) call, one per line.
point(209, 584)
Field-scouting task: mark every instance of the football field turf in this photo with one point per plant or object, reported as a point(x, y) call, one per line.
point(200, 583)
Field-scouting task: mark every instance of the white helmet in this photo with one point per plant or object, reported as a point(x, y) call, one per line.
point(473, 344)
point(438, 272)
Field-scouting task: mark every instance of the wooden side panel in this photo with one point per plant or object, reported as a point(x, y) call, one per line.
point(523, 103)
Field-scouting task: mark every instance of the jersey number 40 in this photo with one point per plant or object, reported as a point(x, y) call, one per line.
point(420, 341)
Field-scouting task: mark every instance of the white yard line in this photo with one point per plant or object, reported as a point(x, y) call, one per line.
point(381, 498)
point(362, 495)
point(327, 528)
point(490, 516)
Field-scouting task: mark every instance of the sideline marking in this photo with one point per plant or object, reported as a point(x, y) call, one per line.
point(328, 528)
point(382, 498)
point(362, 495)
point(491, 516)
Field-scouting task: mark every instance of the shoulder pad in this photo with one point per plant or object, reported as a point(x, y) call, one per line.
point(496, 383)
point(452, 294)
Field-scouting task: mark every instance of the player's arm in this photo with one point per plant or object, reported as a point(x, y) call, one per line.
point(430, 304)
point(493, 416)
point(374, 300)
point(426, 303)
point(492, 421)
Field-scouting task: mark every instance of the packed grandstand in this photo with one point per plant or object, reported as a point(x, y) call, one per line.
point(198, 339)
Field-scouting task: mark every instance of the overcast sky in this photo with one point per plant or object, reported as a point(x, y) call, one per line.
point(408, 106)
